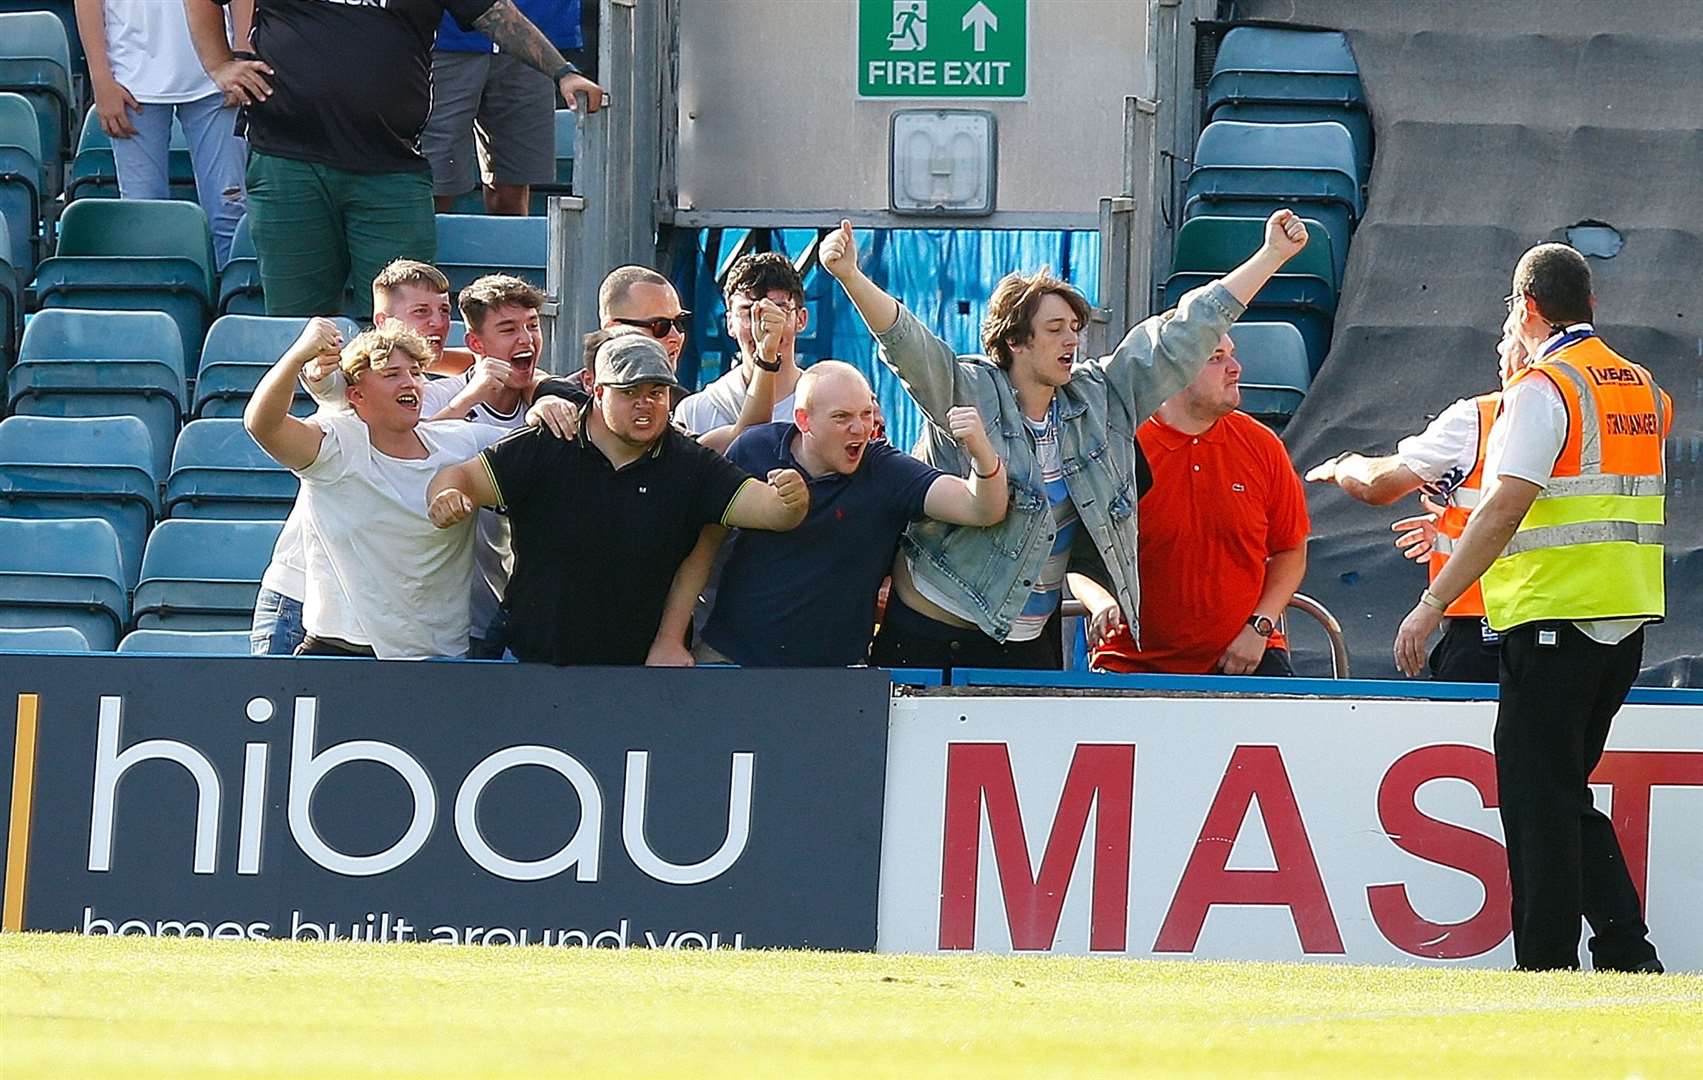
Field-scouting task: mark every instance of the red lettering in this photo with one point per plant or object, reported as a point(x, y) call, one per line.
point(1630, 774)
point(1295, 884)
point(978, 774)
point(1446, 845)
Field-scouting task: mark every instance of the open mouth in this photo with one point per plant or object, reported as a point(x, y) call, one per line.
point(408, 399)
point(522, 360)
point(1066, 360)
point(854, 451)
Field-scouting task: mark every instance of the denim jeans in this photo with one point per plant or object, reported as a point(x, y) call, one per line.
point(277, 625)
point(220, 158)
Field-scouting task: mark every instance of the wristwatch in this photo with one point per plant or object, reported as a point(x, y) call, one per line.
point(1262, 625)
point(758, 360)
point(568, 68)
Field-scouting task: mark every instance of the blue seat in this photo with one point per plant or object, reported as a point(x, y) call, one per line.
point(93, 174)
point(473, 245)
point(134, 255)
point(239, 350)
point(1275, 372)
point(35, 61)
point(103, 363)
point(1336, 217)
point(53, 467)
point(567, 139)
point(1305, 302)
point(240, 290)
point(1320, 154)
point(1260, 48)
point(218, 471)
point(20, 181)
point(203, 574)
point(42, 639)
point(192, 642)
point(1216, 245)
point(66, 11)
point(66, 572)
point(1357, 122)
point(11, 300)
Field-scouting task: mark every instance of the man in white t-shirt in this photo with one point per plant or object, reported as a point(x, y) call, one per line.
point(143, 70)
point(752, 279)
point(381, 579)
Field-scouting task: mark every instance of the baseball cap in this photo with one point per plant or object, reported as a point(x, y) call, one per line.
point(632, 359)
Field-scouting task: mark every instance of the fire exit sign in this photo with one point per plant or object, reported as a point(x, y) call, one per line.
point(943, 48)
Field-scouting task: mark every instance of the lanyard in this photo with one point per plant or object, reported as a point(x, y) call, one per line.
point(1571, 337)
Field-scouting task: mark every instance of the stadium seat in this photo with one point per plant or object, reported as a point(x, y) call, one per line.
point(35, 61)
point(203, 575)
point(1335, 215)
point(194, 642)
point(1260, 48)
point(42, 639)
point(134, 255)
point(53, 467)
point(1214, 245)
point(1305, 302)
point(94, 175)
point(238, 352)
point(11, 301)
point(240, 291)
point(567, 137)
point(66, 572)
point(20, 181)
point(1275, 373)
point(1321, 154)
point(67, 14)
point(103, 363)
point(1356, 120)
point(217, 471)
point(472, 245)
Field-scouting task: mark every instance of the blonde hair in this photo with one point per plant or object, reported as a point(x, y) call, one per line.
point(402, 272)
point(373, 348)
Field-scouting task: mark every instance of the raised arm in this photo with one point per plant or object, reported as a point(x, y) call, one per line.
point(981, 499)
point(243, 81)
point(925, 364)
point(768, 322)
point(514, 33)
point(458, 490)
point(292, 443)
point(489, 374)
point(1378, 481)
point(777, 506)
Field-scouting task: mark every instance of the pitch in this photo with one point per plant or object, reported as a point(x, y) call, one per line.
point(133, 1008)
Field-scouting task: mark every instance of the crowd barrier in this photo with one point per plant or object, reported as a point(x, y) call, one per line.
point(1256, 819)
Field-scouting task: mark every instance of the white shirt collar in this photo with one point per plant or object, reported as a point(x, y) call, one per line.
point(1553, 338)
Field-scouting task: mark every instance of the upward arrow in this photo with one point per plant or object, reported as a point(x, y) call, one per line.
point(979, 20)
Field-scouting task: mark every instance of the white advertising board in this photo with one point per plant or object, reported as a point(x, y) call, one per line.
point(1336, 829)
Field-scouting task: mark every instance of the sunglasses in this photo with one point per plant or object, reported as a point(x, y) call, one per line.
point(662, 324)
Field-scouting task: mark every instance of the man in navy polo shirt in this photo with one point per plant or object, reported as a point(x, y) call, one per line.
point(806, 598)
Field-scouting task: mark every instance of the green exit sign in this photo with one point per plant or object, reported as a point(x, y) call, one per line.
point(943, 48)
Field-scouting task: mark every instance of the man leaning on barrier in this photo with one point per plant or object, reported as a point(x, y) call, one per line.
point(1065, 428)
point(604, 521)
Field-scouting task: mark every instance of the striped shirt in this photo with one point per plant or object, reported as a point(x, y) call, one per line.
point(1049, 587)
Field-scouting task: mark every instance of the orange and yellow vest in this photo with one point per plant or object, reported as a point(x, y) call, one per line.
point(1590, 547)
point(1462, 499)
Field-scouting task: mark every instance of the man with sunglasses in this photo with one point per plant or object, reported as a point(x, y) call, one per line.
point(763, 276)
point(639, 296)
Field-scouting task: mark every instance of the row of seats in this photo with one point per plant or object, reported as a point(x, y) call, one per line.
point(1287, 126)
point(196, 575)
point(156, 642)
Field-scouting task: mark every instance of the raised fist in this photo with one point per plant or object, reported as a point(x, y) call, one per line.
point(1285, 233)
point(838, 252)
point(768, 323)
point(491, 374)
point(965, 424)
point(320, 337)
point(449, 508)
point(790, 486)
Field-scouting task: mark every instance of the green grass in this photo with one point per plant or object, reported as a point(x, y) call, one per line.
point(132, 1008)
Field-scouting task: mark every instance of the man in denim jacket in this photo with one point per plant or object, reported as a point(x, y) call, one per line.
point(1064, 429)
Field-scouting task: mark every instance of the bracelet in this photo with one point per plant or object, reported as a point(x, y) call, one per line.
point(568, 68)
point(998, 465)
point(1429, 599)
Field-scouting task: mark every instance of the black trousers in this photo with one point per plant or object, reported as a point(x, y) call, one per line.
point(1560, 690)
point(1461, 655)
point(910, 639)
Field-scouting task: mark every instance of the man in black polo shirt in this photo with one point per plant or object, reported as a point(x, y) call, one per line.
point(807, 598)
point(602, 522)
point(336, 93)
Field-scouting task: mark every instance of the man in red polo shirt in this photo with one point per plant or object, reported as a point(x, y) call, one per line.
point(1223, 540)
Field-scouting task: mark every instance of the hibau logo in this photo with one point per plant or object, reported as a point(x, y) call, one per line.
point(582, 852)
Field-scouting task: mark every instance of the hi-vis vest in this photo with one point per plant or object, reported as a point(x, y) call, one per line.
point(1465, 496)
point(1590, 547)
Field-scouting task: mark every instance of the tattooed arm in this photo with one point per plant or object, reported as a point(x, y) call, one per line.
point(515, 34)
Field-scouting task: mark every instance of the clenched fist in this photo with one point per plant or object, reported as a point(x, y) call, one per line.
point(1285, 233)
point(790, 486)
point(320, 339)
point(768, 323)
point(490, 375)
point(451, 507)
point(838, 252)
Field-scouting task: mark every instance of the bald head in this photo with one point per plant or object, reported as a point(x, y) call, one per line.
point(835, 409)
point(825, 379)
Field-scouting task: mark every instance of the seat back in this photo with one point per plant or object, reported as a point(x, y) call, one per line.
point(1323, 144)
point(238, 351)
point(21, 179)
point(203, 575)
point(1275, 372)
point(472, 245)
point(35, 60)
point(66, 572)
point(1260, 48)
point(75, 334)
point(138, 228)
point(218, 471)
point(94, 173)
point(42, 639)
point(1357, 121)
point(1214, 245)
point(191, 642)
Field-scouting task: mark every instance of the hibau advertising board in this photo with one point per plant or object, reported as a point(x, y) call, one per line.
point(1358, 831)
point(484, 804)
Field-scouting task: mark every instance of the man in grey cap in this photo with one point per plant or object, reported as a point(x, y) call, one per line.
point(628, 494)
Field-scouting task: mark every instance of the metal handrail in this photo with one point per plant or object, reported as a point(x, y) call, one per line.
point(1301, 602)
